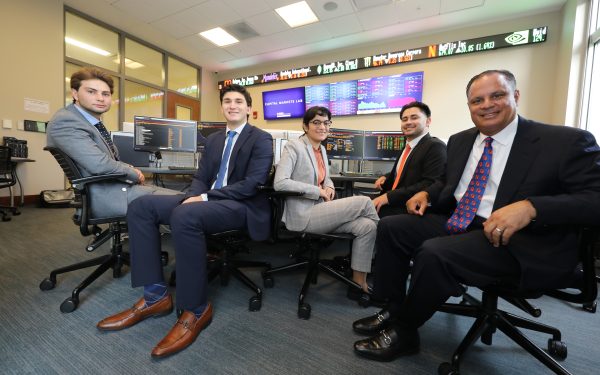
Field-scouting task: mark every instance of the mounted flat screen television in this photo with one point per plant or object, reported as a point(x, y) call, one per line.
point(388, 93)
point(343, 100)
point(317, 95)
point(344, 144)
point(286, 103)
point(383, 145)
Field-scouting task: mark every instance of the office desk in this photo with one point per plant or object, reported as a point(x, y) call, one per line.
point(158, 172)
point(347, 182)
point(16, 161)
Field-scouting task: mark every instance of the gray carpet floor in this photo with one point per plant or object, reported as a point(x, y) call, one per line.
point(36, 338)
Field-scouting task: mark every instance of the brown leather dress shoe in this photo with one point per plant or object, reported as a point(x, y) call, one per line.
point(136, 314)
point(183, 333)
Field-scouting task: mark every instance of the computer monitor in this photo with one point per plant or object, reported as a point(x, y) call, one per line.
point(383, 145)
point(124, 144)
point(345, 144)
point(162, 134)
point(205, 129)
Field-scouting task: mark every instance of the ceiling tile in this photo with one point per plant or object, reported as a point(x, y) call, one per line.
point(448, 6)
point(242, 8)
point(267, 23)
point(344, 7)
point(343, 25)
point(149, 11)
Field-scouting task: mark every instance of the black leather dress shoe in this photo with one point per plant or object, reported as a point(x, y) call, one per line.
point(372, 324)
point(388, 345)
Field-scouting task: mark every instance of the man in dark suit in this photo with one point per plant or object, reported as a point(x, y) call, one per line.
point(513, 195)
point(223, 196)
point(419, 164)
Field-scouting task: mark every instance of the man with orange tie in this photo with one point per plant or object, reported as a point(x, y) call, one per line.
point(421, 162)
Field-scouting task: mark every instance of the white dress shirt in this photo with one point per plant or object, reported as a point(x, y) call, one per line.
point(501, 148)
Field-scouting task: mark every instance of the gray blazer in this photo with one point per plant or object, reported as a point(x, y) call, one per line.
point(297, 171)
point(69, 131)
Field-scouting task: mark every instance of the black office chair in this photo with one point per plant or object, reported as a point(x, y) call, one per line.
point(221, 250)
point(308, 253)
point(489, 317)
point(88, 226)
point(8, 178)
point(223, 247)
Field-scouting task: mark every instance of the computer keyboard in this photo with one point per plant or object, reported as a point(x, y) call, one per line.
point(178, 168)
point(357, 174)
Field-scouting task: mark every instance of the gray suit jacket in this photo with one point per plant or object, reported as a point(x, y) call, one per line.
point(297, 171)
point(69, 131)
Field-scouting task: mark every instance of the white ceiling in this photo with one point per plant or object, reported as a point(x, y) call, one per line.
point(352, 23)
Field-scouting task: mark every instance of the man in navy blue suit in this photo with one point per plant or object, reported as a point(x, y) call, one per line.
point(223, 196)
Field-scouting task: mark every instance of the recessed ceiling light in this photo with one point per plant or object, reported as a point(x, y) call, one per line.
point(297, 14)
point(89, 47)
point(131, 64)
point(219, 37)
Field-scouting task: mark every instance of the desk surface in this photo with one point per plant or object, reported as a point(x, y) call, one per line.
point(342, 178)
point(155, 170)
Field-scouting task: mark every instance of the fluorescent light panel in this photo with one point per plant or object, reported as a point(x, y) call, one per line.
point(131, 64)
point(297, 14)
point(77, 43)
point(219, 37)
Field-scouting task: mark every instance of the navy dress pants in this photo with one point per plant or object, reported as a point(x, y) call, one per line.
point(189, 223)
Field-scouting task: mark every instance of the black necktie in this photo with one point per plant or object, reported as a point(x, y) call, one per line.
point(106, 135)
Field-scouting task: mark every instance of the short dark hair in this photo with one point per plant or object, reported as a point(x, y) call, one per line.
point(416, 104)
point(236, 88)
point(312, 112)
point(507, 74)
point(88, 73)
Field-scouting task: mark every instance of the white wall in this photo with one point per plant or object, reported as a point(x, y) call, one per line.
point(32, 66)
point(445, 78)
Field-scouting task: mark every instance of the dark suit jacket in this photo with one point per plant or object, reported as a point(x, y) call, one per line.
point(423, 166)
point(557, 168)
point(249, 165)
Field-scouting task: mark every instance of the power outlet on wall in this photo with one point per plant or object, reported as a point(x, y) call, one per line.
point(7, 124)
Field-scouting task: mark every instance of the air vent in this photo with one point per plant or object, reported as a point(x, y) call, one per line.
point(241, 31)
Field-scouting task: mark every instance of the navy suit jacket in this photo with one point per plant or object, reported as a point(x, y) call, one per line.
point(423, 166)
point(249, 165)
point(557, 168)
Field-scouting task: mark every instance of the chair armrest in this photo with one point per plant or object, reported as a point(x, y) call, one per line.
point(80, 183)
point(279, 193)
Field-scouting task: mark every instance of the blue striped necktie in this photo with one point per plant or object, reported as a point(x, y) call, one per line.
point(224, 160)
point(469, 203)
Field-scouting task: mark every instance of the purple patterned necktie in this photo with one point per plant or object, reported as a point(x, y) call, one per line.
point(467, 206)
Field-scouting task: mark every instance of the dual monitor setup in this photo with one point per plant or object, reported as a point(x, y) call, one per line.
point(162, 137)
point(153, 135)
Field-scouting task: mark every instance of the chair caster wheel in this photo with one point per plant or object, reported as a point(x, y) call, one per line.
point(447, 369)
point(268, 281)
point(16, 212)
point(304, 311)
point(117, 272)
point(47, 284)
point(590, 307)
point(557, 349)
point(69, 305)
point(5, 218)
point(255, 303)
point(164, 258)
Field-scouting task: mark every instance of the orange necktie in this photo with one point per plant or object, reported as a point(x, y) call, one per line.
point(401, 166)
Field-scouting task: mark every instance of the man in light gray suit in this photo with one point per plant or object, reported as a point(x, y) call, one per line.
point(78, 131)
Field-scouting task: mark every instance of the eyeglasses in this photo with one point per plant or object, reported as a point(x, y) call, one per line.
point(319, 122)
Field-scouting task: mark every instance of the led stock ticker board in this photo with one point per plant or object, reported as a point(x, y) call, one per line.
point(459, 47)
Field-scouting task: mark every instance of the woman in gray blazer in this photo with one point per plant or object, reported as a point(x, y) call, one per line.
point(303, 167)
